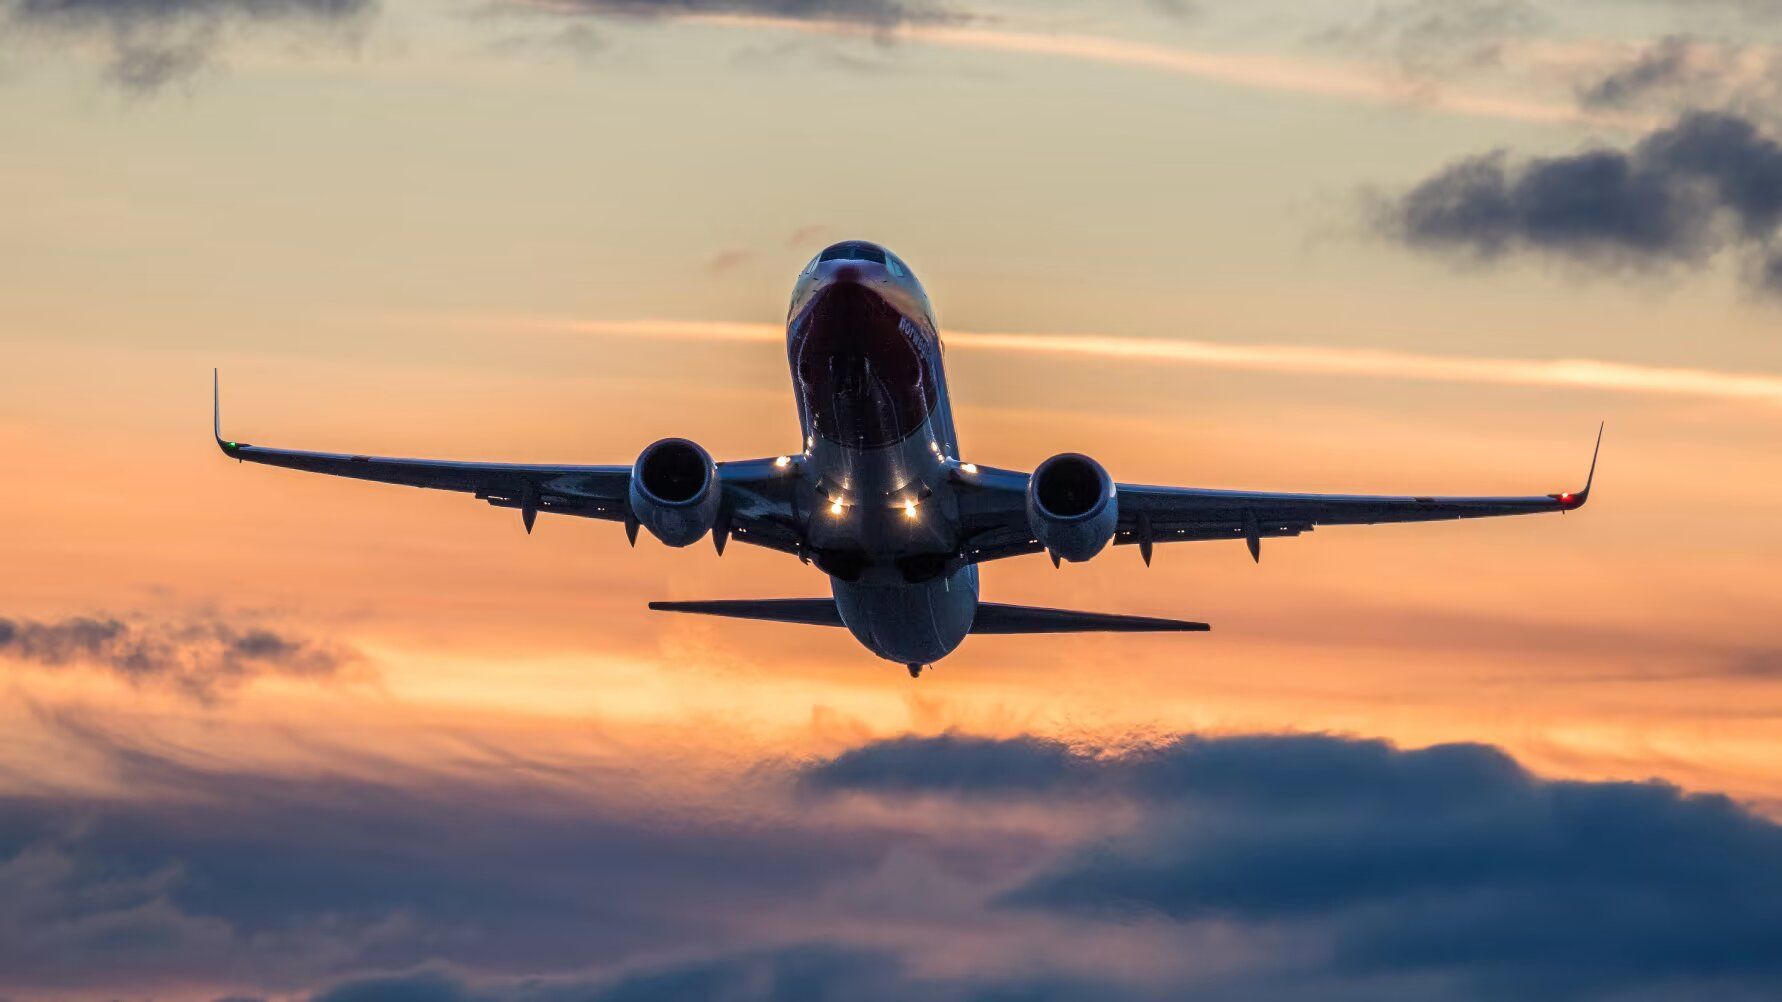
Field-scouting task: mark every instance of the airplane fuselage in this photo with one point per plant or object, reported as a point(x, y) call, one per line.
point(880, 453)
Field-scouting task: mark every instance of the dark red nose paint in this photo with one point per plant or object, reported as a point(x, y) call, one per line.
point(860, 369)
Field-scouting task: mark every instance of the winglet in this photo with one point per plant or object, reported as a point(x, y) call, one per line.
point(1591, 477)
point(216, 415)
point(1578, 499)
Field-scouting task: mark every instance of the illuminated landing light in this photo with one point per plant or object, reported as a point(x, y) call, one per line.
point(909, 509)
point(971, 468)
point(783, 462)
point(835, 507)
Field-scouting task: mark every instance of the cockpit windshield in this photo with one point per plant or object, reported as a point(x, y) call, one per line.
point(853, 250)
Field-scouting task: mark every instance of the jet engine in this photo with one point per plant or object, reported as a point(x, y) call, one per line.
point(675, 491)
point(1071, 507)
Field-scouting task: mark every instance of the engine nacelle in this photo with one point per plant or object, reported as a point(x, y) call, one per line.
point(675, 492)
point(1071, 506)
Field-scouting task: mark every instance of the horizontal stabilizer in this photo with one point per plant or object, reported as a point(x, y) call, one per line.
point(997, 618)
point(992, 617)
point(809, 611)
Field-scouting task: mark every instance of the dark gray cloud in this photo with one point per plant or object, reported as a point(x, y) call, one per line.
point(1308, 770)
point(1331, 869)
point(418, 986)
point(803, 972)
point(1450, 862)
point(205, 874)
point(201, 657)
point(954, 764)
point(877, 13)
point(1683, 194)
point(154, 43)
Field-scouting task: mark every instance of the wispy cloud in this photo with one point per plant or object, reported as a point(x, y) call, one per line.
point(1681, 72)
point(154, 43)
point(728, 260)
point(1429, 39)
point(199, 657)
point(875, 13)
point(1286, 74)
point(1255, 71)
point(1559, 373)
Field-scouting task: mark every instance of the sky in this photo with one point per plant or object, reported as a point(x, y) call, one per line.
point(282, 737)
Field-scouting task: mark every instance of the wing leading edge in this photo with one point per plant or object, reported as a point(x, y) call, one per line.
point(753, 512)
point(587, 491)
point(997, 528)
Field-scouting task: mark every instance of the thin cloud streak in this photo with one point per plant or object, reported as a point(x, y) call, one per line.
point(1258, 72)
point(1560, 373)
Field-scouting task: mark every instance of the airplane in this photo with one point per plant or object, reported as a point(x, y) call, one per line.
point(879, 498)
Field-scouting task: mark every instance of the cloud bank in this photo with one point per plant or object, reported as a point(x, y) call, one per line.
point(1450, 863)
point(267, 882)
point(947, 867)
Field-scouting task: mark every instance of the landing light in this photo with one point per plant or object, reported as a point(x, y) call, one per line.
point(783, 462)
point(835, 507)
point(971, 468)
point(909, 509)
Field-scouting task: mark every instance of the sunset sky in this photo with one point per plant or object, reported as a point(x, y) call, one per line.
point(266, 735)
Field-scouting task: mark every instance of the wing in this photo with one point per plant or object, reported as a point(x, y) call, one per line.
point(756, 507)
point(996, 523)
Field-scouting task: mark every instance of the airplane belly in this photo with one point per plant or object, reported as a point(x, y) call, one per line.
point(910, 623)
